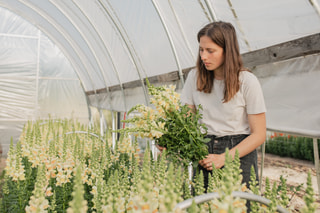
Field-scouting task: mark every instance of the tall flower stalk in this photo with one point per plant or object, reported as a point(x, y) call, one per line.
point(38, 202)
point(309, 197)
point(78, 203)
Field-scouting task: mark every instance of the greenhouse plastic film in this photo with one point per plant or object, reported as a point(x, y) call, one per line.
point(291, 91)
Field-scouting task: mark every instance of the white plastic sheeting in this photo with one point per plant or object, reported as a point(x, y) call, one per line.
point(35, 79)
point(110, 43)
point(291, 89)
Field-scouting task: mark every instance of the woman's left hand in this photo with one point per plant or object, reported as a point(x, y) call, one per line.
point(217, 159)
point(160, 148)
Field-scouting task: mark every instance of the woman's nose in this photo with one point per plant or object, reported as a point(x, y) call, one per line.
point(203, 56)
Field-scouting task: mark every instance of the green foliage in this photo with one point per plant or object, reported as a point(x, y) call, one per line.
point(291, 146)
point(78, 203)
point(171, 124)
point(199, 185)
point(16, 194)
point(193, 208)
point(254, 187)
point(284, 201)
point(188, 142)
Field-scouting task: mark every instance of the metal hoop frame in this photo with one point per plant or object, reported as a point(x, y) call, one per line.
point(210, 196)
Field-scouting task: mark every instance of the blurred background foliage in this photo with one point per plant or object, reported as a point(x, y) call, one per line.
point(287, 145)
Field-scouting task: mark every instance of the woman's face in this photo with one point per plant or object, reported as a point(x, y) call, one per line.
point(211, 54)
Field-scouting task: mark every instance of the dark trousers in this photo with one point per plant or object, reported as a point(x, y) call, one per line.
point(218, 145)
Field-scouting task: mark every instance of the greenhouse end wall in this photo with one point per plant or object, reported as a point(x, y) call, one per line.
point(36, 80)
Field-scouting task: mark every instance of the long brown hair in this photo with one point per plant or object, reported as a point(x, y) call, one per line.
point(224, 35)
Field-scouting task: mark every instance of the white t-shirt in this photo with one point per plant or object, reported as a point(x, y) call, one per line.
point(229, 118)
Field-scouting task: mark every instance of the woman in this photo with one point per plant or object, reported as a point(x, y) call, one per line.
point(231, 98)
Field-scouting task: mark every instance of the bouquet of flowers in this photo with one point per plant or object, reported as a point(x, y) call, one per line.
point(171, 124)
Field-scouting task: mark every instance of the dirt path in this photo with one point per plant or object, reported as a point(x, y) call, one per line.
point(294, 171)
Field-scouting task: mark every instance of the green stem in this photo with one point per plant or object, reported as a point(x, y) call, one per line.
point(64, 197)
point(19, 196)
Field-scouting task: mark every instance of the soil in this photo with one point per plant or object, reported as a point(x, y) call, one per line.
point(295, 172)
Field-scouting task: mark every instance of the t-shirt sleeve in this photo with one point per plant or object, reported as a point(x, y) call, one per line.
point(253, 94)
point(188, 88)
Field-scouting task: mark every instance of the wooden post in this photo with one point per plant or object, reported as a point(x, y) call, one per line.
point(263, 151)
point(316, 161)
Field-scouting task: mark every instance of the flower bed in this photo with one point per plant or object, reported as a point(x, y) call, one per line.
point(54, 169)
point(286, 145)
